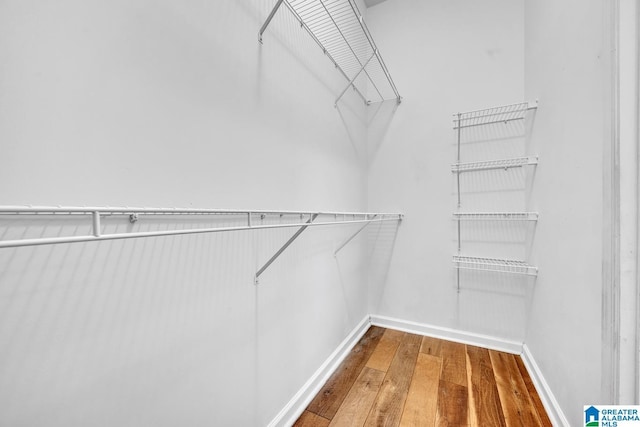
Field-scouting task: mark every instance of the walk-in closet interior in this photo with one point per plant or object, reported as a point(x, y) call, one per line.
point(209, 208)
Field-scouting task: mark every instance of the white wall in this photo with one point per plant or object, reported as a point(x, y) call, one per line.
point(446, 57)
point(163, 103)
point(567, 69)
point(629, 98)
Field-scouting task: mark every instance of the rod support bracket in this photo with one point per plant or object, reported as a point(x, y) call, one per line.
point(269, 18)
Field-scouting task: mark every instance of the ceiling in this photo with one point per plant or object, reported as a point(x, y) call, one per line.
point(370, 3)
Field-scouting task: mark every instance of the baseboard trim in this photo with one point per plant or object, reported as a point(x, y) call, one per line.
point(544, 391)
point(449, 334)
point(294, 408)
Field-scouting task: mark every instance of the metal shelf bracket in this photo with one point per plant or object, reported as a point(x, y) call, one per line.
point(268, 21)
point(285, 246)
point(346, 242)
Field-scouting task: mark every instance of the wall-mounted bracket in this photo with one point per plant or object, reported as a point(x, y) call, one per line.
point(367, 102)
point(96, 223)
point(269, 18)
point(285, 246)
point(346, 242)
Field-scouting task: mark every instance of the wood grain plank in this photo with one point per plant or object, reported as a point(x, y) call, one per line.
point(356, 406)
point(485, 408)
point(454, 363)
point(385, 350)
point(452, 405)
point(387, 408)
point(431, 346)
point(514, 397)
point(533, 393)
point(474, 386)
point(422, 400)
point(331, 395)
point(309, 419)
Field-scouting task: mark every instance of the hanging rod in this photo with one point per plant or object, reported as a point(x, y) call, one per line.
point(134, 214)
point(338, 27)
point(500, 114)
point(33, 209)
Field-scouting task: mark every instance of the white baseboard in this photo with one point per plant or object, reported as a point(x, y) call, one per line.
point(294, 408)
point(546, 395)
point(449, 334)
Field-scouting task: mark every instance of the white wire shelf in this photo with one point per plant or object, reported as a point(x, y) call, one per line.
point(337, 26)
point(248, 219)
point(495, 216)
point(494, 164)
point(501, 114)
point(498, 265)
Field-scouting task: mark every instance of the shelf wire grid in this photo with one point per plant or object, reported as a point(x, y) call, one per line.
point(496, 216)
point(501, 114)
point(339, 29)
point(494, 164)
point(499, 265)
point(245, 220)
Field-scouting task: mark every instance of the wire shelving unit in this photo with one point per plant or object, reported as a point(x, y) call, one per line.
point(246, 220)
point(338, 27)
point(490, 116)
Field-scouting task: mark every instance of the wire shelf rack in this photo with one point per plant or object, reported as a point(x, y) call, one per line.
point(245, 220)
point(338, 27)
point(498, 265)
point(494, 164)
point(496, 216)
point(501, 114)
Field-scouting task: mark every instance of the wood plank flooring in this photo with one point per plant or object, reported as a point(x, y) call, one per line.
point(394, 378)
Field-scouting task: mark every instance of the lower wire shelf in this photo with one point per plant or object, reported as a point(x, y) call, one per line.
point(499, 265)
point(496, 216)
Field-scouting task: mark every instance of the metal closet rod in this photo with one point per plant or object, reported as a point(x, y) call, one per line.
point(97, 212)
point(149, 210)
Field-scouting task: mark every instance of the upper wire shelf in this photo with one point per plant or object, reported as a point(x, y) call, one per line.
point(501, 114)
point(337, 26)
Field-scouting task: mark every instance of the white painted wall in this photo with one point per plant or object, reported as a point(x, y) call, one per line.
point(567, 68)
point(164, 103)
point(629, 54)
point(447, 56)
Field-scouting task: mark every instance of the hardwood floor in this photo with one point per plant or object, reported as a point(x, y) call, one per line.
point(394, 378)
